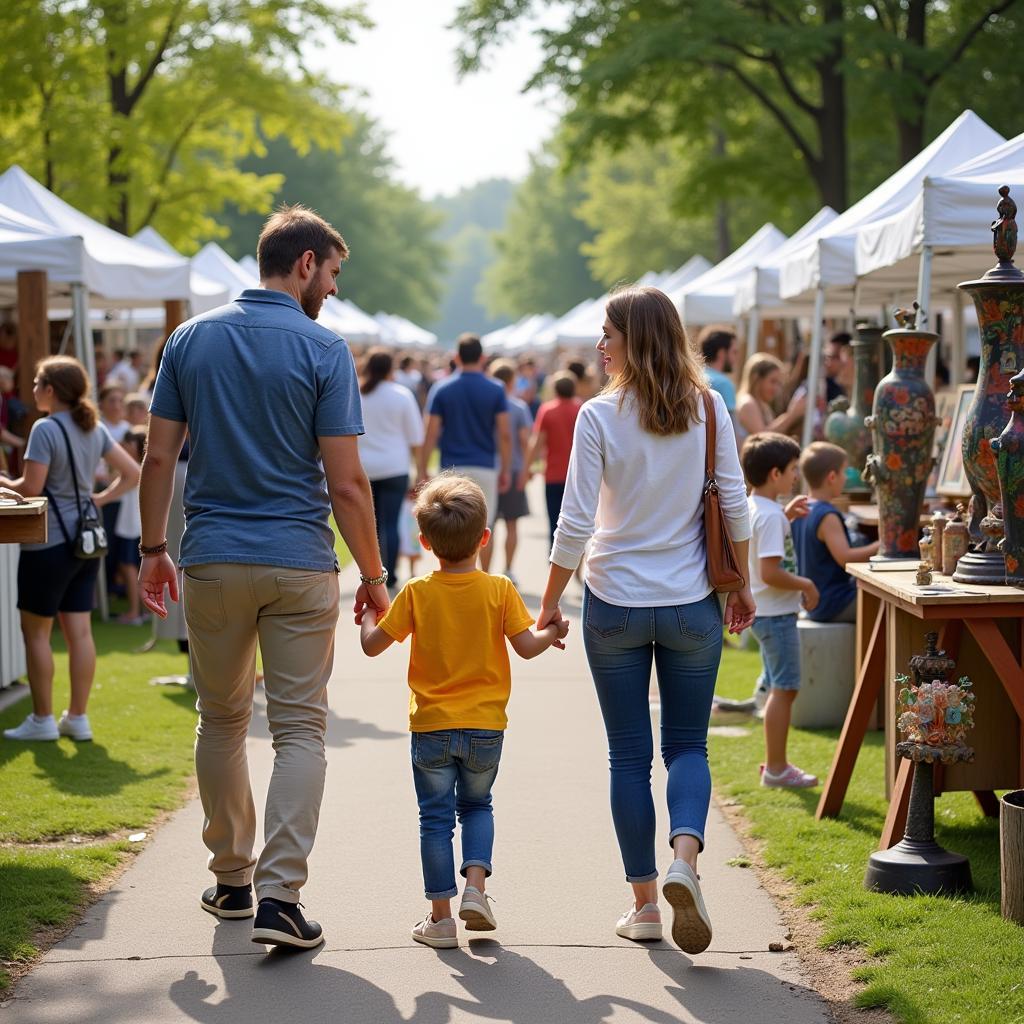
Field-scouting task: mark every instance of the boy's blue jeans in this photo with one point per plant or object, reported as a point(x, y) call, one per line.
point(453, 771)
point(684, 643)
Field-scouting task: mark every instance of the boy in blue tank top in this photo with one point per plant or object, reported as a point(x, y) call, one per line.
point(822, 542)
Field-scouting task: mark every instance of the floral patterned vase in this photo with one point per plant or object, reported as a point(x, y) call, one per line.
point(902, 423)
point(1009, 449)
point(999, 299)
point(846, 426)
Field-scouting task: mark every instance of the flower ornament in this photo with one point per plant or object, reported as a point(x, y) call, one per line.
point(934, 718)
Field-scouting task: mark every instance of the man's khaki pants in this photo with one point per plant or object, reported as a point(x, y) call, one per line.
point(293, 613)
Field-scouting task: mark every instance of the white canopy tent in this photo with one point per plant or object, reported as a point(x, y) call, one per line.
point(250, 266)
point(492, 341)
point(828, 262)
point(548, 338)
point(689, 271)
point(29, 244)
point(947, 222)
point(403, 333)
point(206, 294)
point(708, 299)
point(214, 263)
point(525, 336)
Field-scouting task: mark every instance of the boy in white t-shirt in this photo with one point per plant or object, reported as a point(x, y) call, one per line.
point(771, 466)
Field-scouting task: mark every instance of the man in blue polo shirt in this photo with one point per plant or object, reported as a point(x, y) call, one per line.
point(271, 405)
point(468, 415)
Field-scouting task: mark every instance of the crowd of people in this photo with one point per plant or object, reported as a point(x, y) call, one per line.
point(421, 460)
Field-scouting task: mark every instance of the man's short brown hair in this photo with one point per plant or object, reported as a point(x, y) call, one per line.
point(564, 384)
point(289, 233)
point(503, 370)
point(764, 452)
point(452, 514)
point(820, 459)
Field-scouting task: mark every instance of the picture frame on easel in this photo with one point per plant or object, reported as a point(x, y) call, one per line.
point(952, 480)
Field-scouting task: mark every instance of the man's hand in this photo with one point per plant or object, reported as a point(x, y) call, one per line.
point(371, 597)
point(504, 481)
point(157, 572)
point(797, 508)
point(522, 478)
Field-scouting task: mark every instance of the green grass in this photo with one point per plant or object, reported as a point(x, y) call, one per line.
point(932, 960)
point(138, 765)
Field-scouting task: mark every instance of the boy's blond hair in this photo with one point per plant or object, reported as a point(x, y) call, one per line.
point(452, 514)
point(818, 460)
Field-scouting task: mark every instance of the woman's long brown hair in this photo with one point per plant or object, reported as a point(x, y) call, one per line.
point(663, 373)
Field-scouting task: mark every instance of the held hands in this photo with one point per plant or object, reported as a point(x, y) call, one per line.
point(157, 572)
point(371, 598)
point(739, 610)
point(553, 617)
point(797, 508)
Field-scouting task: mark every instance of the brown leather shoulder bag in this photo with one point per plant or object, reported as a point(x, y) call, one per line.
point(725, 573)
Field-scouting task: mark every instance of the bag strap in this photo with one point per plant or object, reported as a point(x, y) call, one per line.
point(71, 463)
point(711, 437)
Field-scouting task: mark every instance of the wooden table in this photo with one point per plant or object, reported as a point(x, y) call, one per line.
point(982, 628)
point(23, 523)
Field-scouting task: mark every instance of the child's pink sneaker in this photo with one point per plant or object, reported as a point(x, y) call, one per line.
point(791, 778)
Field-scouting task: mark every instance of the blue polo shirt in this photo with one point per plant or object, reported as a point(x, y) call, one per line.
point(258, 382)
point(468, 404)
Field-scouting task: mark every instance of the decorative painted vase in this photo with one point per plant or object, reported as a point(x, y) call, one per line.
point(1009, 449)
point(999, 299)
point(846, 425)
point(902, 423)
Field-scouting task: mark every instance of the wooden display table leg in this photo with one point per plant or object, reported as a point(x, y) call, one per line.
point(896, 818)
point(987, 802)
point(862, 704)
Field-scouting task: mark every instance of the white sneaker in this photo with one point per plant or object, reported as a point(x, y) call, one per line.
point(476, 911)
point(643, 925)
point(34, 729)
point(691, 926)
point(438, 934)
point(75, 726)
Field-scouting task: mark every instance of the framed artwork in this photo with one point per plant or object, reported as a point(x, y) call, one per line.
point(952, 482)
point(945, 406)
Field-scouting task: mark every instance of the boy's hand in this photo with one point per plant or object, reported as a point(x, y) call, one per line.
point(368, 597)
point(797, 508)
point(810, 596)
point(561, 631)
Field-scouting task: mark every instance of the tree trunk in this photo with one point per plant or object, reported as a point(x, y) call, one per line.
point(117, 79)
point(910, 123)
point(722, 232)
point(831, 173)
point(1011, 855)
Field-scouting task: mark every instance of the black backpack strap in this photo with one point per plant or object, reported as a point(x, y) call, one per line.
point(74, 479)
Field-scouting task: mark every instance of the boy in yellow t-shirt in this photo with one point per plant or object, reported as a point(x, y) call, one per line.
point(460, 679)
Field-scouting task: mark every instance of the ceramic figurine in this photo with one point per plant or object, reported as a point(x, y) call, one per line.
point(954, 541)
point(902, 423)
point(846, 425)
point(999, 299)
point(938, 526)
point(927, 547)
point(1009, 449)
point(924, 574)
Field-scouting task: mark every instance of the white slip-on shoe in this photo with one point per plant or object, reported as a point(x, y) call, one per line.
point(643, 925)
point(75, 726)
point(438, 934)
point(34, 729)
point(691, 925)
point(476, 911)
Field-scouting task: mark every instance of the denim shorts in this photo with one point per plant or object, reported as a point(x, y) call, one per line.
point(780, 650)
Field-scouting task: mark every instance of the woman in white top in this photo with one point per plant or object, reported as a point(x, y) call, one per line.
point(634, 495)
point(394, 434)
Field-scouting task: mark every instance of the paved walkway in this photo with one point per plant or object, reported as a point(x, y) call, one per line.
point(146, 952)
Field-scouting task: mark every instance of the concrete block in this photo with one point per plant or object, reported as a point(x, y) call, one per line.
point(827, 673)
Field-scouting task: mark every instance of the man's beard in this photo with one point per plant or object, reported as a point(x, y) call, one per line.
point(727, 368)
point(312, 300)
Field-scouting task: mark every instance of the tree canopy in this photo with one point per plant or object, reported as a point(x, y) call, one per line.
point(141, 112)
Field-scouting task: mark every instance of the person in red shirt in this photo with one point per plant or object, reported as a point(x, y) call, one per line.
point(552, 438)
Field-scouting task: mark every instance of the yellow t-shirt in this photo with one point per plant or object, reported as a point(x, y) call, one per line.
point(459, 672)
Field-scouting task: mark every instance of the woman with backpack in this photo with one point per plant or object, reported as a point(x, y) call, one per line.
point(57, 578)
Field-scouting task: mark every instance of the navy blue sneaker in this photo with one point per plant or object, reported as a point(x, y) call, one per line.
point(282, 924)
point(228, 901)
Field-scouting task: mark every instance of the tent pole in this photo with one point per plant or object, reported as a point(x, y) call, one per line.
point(957, 355)
point(814, 367)
point(924, 307)
point(83, 336)
point(753, 329)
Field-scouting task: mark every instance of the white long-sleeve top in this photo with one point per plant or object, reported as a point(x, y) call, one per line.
point(636, 497)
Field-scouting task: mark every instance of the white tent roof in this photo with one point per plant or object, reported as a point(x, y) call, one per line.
point(492, 341)
point(28, 244)
point(758, 288)
point(689, 271)
point(525, 335)
point(397, 330)
point(708, 299)
point(952, 213)
point(249, 265)
point(548, 338)
point(214, 263)
point(206, 294)
point(345, 318)
point(113, 267)
point(829, 259)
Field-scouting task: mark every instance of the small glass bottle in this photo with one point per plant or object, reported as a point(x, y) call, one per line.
point(955, 538)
